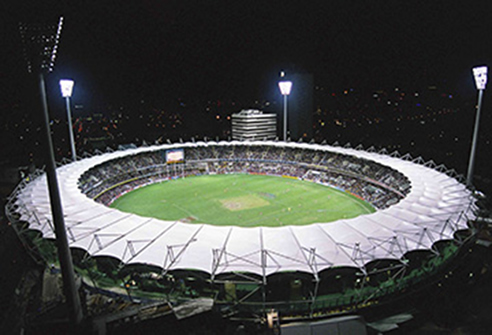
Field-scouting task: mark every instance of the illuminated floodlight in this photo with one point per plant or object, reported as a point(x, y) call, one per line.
point(285, 87)
point(40, 44)
point(480, 74)
point(66, 86)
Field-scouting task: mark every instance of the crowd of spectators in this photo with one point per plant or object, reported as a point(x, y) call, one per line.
point(377, 184)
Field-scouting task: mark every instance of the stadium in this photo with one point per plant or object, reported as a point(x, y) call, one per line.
point(417, 218)
point(179, 170)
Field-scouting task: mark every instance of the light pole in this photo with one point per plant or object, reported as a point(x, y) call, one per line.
point(40, 45)
point(66, 86)
point(480, 74)
point(285, 87)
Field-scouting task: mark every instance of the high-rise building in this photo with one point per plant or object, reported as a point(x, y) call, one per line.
point(253, 124)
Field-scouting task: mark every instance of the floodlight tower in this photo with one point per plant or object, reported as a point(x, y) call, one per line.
point(66, 86)
point(40, 45)
point(480, 74)
point(285, 88)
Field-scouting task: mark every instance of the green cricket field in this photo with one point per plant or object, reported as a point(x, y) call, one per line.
point(242, 200)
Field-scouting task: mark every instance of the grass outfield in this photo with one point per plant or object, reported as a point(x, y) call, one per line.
point(242, 200)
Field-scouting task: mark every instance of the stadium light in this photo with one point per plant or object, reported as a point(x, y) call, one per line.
point(40, 43)
point(285, 88)
point(480, 75)
point(66, 86)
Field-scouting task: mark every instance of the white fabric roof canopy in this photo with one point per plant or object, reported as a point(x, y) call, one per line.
point(436, 207)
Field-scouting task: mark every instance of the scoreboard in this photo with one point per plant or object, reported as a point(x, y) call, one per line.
point(175, 156)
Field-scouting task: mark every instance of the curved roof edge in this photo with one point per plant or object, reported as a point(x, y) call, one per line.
point(436, 207)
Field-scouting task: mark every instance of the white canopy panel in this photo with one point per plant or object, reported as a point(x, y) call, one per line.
point(436, 207)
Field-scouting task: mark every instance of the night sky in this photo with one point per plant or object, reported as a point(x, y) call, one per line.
point(152, 50)
point(152, 55)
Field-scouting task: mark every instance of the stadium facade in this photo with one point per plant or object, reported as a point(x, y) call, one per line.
point(325, 267)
